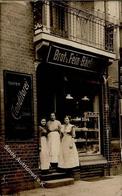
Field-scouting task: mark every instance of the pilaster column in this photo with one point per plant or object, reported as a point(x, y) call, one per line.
point(106, 124)
point(46, 16)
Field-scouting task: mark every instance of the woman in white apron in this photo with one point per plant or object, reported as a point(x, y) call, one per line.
point(68, 151)
point(54, 127)
point(43, 145)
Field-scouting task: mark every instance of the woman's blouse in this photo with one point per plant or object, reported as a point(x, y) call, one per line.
point(68, 129)
point(42, 131)
point(53, 125)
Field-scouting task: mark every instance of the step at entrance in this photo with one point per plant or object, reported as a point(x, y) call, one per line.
point(54, 176)
point(58, 182)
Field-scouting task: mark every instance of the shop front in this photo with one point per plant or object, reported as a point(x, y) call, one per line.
point(70, 82)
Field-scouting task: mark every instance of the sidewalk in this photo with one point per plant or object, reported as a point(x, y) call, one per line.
point(111, 185)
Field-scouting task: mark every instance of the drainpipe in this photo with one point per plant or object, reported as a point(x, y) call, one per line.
point(106, 122)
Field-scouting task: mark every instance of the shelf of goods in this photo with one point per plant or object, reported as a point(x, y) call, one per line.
point(87, 131)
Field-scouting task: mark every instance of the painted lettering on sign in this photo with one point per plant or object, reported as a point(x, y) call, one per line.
point(72, 58)
point(58, 56)
point(15, 110)
point(69, 58)
point(19, 124)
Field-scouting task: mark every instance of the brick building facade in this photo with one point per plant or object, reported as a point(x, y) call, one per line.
point(23, 58)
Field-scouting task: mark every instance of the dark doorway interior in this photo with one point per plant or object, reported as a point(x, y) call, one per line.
point(54, 83)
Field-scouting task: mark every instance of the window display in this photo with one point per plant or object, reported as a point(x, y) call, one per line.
point(88, 133)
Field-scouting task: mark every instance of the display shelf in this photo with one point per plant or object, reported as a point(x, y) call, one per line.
point(87, 131)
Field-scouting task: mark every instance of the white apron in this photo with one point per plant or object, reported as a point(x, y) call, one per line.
point(44, 154)
point(54, 140)
point(68, 151)
point(54, 145)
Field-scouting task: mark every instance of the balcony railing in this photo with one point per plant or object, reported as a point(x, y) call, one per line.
point(81, 26)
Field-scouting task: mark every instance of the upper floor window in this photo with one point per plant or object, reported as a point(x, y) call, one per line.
point(38, 14)
point(59, 18)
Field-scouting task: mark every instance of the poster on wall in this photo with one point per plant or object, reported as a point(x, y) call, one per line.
point(18, 101)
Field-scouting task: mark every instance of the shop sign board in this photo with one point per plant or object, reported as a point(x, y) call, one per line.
point(74, 59)
point(92, 114)
point(18, 100)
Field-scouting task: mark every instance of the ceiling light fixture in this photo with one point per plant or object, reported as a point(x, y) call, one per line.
point(85, 98)
point(68, 96)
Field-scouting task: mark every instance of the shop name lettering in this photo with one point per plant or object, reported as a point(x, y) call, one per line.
point(72, 59)
point(20, 99)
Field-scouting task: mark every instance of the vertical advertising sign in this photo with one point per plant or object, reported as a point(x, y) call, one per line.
point(18, 101)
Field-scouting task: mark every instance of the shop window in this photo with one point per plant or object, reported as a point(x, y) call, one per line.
point(82, 104)
point(88, 127)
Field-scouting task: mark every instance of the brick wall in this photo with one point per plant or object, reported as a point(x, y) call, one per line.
point(17, 54)
point(115, 161)
point(111, 150)
point(115, 151)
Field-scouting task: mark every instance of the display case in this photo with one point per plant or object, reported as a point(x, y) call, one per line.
point(87, 133)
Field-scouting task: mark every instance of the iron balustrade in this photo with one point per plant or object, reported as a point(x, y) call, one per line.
point(82, 26)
